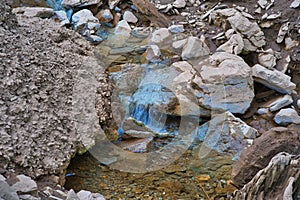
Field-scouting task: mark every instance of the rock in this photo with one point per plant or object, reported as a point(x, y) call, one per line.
point(179, 4)
point(287, 116)
point(176, 29)
point(6, 191)
point(62, 17)
point(28, 197)
point(85, 195)
point(34, 12)
point(284, 29)
point(123, 28)
point(79, 3)
point(81, 18)
point(153, 53)
point(273, 79)
point(136, 145)
point(264, 148)
point(234, 45)
point(295, 4)
point(290, 43)
point(113, 3)
point(225, 83)
point(194, 49)
point(105, 15)
point(72, 195)
point(136, 129)
point(94, 39)
point(130, 17)
point(267, 60)
point(160, 35)
point(24, 185)
point(280, 175)
point(98, 196)
point(179, 44)
point(278, 103)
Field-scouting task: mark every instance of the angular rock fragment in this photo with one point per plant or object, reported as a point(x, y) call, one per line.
point(82, 18)
point(234, 45)
point(160, 35)
point(79, 3)
point(287, 116)
point(113, 3)
point(194, 49)
point(105, 15)
point(176, 29)
point(282, 32)
point(130, 17)
point(34, 12)
point(179, 4)
point(123, 28)
point(278, 103)
point(295, 4)
point(267, 59)
point(6, 191)
point(136, 145)
point(136, 129)
point(273, 79)
point(24, 185)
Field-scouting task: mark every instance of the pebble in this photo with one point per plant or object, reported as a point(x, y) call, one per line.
point(287, 116)
point(179, 4)
point(176, 29)
point(295, 4)
point(130, 17)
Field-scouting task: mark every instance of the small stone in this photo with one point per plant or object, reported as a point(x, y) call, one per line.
point(282, 32)
point(79, 3)
point(153, 53)
point(274, 16)
point(123, 28)
point(72, 195)
point(113, 3)
point(194, 48)
point(179, 4)
point(105, 15)
point(94, 39)
point(25, 184)
point(179, 44)
point(62, 17)
point(202, 177)
point(287, 116)
point(262, 111)
point(267, 60)
point(130, 17)
point(85, 195)
point(262, 3)
point(34, 12)
point(295, 4)
point(136, 145)
point(279, 103)
point(98, 196)
point(176, 29)
point(160, 35)
point(234, 45)
point(289, 43)
point(81, 18)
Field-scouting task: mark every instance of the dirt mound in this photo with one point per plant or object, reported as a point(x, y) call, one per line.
point(39, 60)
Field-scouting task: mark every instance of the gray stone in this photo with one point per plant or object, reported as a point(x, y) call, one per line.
point(153, 53)
point(179, 4)
point(28, 197)
point(140, 145)
point(295, 4)
point(284, 29)
point(94, 39)
point(234, 45)
point(273, 79)
point(113, 3)
point(34, 12)
point(72, 195)
point(85, 195)
point(179, 44)
point(79, 3)
point(194, 49)
point(225, 134)
point(176, 28)
point(137, 129)
point(278, 103)
point(82, 18)
point(24, 185)
point(123, 28)
point(267, 60)
point(225, 83)
point(98, 196)
point(62, 16)
point(160, 35)
point(105, 15)
point(130, 17)
point(287, 116)
point(6, 192)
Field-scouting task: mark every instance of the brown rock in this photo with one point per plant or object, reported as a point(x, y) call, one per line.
point(257, 156)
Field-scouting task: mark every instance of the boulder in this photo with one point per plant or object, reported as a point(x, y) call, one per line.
point(278, 180)
point(287, 116)
point(24, 185)
point(81, 18)
point(79, 3)
point(225, 83)
point(273, 79)
point(6, 191)
point(194, 49)
point(264, 148)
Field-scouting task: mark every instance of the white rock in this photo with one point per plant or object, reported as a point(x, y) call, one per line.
point(273, 79)
point(262, 3)
point(72, 195)
point(78, 3)
point(262, 111)
point(106, 15)
point(176, 29)
point(153, 53)
point(62, 16)
point(287, 116)
point(123, 28)
point(81, 18)
point(160, 35)
point(279, 103)
point(85, 195)
point(179, 4)
point(290, 43)
point(234, 45)
point(295, 4)
point(34, 12)
point(179, 44)
point(298, 103)
point(130, 17)
point(24, 185)
point(267, 60)
point(6, 192)
point(274, 16)
point(98, 196)
point(282, 32)
point(194, 49)
point(113, 3)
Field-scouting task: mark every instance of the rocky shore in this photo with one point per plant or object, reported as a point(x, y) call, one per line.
point(217, 79)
